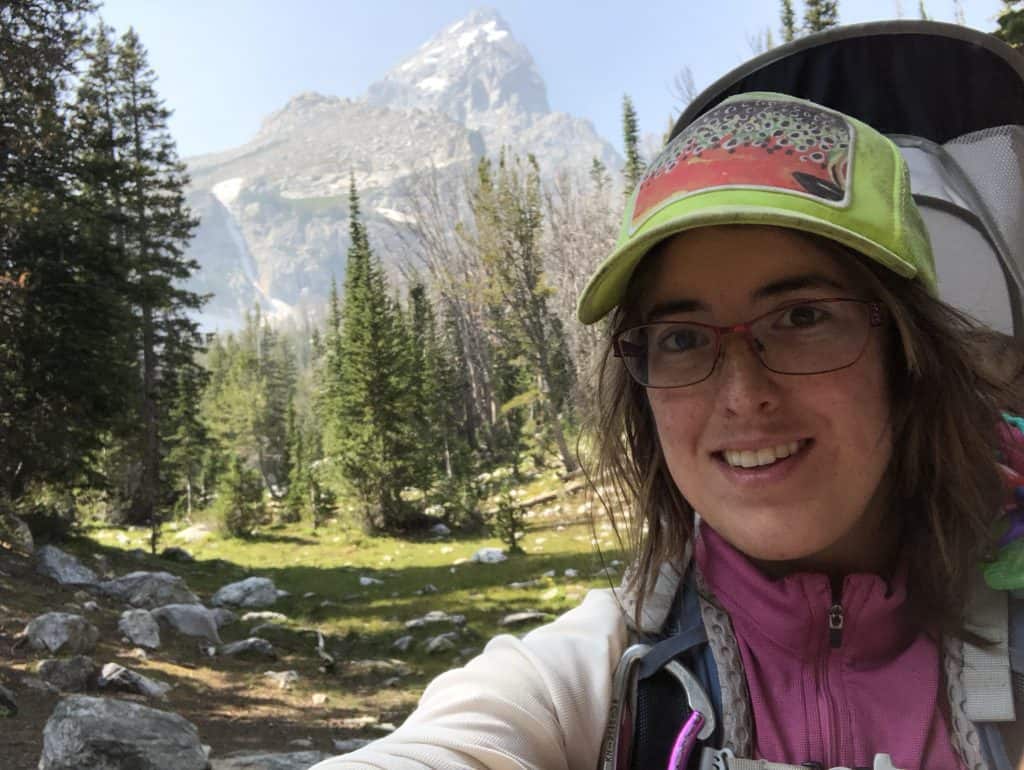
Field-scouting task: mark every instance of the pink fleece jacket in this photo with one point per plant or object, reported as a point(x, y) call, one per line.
point(836, 699)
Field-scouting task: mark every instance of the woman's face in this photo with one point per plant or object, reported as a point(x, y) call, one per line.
point(821, 507)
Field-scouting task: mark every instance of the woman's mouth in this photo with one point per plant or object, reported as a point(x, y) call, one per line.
point(762, 456)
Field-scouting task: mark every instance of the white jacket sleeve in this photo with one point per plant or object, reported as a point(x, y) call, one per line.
point(537, 703)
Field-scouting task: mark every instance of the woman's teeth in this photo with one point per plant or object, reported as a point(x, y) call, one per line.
point(754, 458)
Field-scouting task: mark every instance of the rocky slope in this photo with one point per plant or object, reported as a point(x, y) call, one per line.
point(274, 212)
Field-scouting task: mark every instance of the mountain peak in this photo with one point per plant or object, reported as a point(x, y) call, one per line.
point(469, 71)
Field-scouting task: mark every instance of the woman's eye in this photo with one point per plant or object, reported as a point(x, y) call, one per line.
point(803, 316)
point(680, 339)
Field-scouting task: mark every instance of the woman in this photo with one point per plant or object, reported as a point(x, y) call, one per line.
point(781, 367)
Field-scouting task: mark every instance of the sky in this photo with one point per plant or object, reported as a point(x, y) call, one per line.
point(224, 65)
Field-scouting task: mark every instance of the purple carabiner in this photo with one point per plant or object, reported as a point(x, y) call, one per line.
point(685, 741)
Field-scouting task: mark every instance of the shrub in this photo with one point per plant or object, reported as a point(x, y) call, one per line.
point(239, 503)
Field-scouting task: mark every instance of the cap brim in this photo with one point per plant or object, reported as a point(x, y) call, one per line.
point(608, 286)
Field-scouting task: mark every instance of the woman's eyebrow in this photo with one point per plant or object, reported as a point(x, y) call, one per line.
point(782, 286)
point(797, 283)
point(675, 306)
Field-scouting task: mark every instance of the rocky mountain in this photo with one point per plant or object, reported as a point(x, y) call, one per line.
point(274, 212)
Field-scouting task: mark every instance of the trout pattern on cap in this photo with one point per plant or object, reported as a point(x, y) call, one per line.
point(763, 144)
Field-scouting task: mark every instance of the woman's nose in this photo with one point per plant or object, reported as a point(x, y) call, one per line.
point(745, 385)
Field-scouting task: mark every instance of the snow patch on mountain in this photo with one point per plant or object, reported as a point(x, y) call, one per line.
point(227, 191)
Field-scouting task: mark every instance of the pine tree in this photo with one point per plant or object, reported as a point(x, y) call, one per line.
point(366, 393)
point(1011, 23)
point(509, 219)
point(820, 15)
point(157, 226)
point(634, 168)
point(788, 18)
point(62, 310)
point(187, 439)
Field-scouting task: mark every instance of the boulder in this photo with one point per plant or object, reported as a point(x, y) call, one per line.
point(440, 529)
point(253, 647)
point(61, 632)
point(149, 589)
point(264, 617)
point(255, 592)
point(110, 733)
point(436, 616)
point(75, 674)
point(174, 553)
point(63, 567)
point(349, 745)
point(141, 628)
point(194, 534)
point(441, 643)
point(189, 619)
point(403, 643)
point(15, 533)
point(489, 556)
point(376, 668)
point(223, 616)
point(296, 760)
point(8, 703)
point(294, 639)
point(519, 618)
point(117, 677)
point(283, 679)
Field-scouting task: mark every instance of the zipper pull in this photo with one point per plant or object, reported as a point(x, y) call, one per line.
point(835, 625)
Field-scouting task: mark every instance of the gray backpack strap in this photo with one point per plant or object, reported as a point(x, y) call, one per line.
point(988, 686)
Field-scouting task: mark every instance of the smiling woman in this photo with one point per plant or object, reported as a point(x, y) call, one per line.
point(810, 455)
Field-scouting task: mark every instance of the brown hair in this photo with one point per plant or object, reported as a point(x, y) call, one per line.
point(946, 490)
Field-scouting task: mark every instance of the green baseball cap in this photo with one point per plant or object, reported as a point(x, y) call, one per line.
point(771, 159)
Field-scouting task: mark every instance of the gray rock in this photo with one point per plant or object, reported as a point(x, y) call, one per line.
point(403, 643)
point(16, 533)
point(63, 567)
point(116, 677)
point(301, 743)
point(141, 628)
point(441, 643)
point(149, 589)
point(296, 760)
point(265, 616)
point(376, 668)
point(108, 733)
point(519, 618)
point(189, 619)
point(350, 744)
point(436, 616)
point(90, 606)
point(295, 639)
point(194, 534)
point(8, 703)
point(253, 647)
point(283, 679)
point(223, 616)
point(75, 674)
point(174, 553)
point(489, 556)
point(253, 592)
point(440, 529)
point(61, 632)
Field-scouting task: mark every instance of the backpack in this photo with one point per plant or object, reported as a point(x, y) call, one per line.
point(991, 678)
point(952, 99)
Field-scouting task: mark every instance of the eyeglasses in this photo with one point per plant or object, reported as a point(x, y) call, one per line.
point(801, 337)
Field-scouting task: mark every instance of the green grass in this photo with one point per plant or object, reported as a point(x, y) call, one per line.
point(362, 622)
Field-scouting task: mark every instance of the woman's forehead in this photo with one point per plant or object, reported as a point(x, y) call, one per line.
point(715, 264)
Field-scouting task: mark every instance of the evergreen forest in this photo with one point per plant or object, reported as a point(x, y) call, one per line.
point(422, 391)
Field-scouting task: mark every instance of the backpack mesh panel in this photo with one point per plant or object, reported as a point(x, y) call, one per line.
point(993, 161)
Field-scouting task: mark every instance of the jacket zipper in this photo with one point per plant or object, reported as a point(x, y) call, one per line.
point(835, 641)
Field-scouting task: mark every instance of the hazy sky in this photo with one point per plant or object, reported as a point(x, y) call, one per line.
point(223, 65)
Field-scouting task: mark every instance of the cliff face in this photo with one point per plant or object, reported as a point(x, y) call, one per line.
point(274, 212)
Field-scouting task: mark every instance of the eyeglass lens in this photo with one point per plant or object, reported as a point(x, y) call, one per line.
point(805, 338)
